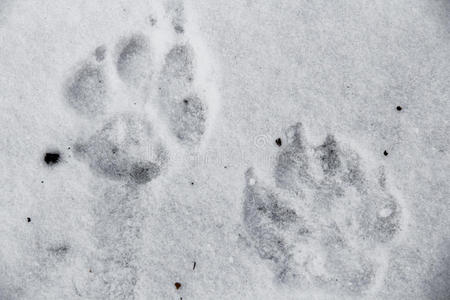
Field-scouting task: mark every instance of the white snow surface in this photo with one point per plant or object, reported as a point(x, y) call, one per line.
point(257, 149)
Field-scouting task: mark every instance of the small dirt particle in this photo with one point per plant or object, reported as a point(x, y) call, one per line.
point(51, 158)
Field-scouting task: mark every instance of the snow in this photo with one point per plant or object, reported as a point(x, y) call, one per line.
point(167, 116)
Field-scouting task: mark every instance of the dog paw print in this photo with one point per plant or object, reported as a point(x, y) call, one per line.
point(135, 100)
point(320, 220)
point(127, 147)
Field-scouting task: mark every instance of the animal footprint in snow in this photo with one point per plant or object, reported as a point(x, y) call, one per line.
point(127, 147)
point(113, 91)
point(322, 218)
